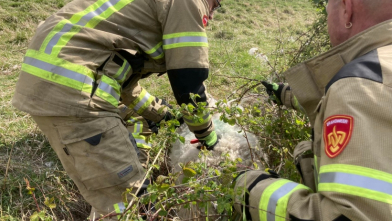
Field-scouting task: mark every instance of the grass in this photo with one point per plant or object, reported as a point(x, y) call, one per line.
point(273, 26)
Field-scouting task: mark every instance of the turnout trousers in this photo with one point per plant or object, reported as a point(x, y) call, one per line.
point(100, 156)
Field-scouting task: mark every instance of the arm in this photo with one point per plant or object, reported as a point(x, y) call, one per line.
point(139, 100)
point(282, 94)
point(186, 54)
point(355, 184)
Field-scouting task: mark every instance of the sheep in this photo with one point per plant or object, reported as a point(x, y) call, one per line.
point(231, 142)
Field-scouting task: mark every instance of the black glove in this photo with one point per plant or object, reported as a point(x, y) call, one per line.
point(274, 90)
point(152, 126)
point(168, 116)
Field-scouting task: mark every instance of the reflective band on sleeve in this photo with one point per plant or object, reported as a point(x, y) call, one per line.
point(357, 181)
point(274, 200)
point(119, 208)
point(48, 68)
point(89, 18)
point(109, 90)
point(141, 141)
point(192, 121)
point(156, 52)
point(121, 73)
point(138, 127)
point(141, 103)
point(185, 39)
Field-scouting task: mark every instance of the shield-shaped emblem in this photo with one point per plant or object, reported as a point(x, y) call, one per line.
point(337, 134)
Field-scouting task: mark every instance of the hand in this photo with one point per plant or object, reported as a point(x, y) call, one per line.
point(274, 90)
point(168, 116)
point(208, 142)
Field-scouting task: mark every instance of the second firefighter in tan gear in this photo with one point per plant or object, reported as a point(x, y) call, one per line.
point(346, 93)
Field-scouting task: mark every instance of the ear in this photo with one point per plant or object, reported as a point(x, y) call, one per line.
point(347, 6)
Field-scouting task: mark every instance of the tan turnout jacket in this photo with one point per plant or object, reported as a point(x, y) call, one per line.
point(347, 94)
point(91, 53)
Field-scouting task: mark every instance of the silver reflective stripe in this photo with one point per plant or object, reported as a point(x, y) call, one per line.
point(185, 39)
point(108, 89)
point(273, 201)
point(121, 206)
point(85, 19)
point(205, 117)
point(82, 22)
point(142, 102)
point(124, 71)
point(141, 141)
point(138, 125)
point(66, 28)
point(357, 181)
point(58, 70)
point(156, 53)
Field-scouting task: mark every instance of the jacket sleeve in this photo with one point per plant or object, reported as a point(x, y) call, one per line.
point(289, 100)
point(186, 55)
point(355, 177)
point(135, 97)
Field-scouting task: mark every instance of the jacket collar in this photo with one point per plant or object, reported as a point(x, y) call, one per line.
point(308, 79)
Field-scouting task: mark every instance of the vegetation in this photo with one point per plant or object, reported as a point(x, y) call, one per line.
point(33, 184)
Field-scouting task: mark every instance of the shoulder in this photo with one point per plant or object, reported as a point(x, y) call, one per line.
point(367, 67)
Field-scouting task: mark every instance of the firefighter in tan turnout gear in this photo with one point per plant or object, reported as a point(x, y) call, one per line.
point(347, 94)
point(89, 56)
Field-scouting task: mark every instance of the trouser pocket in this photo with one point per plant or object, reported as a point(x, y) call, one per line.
point(304, 162)
point(102, 152)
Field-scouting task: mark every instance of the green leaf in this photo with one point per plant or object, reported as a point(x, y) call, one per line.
point(163, 187)
point(34, 217)
point(162, 213)
point(50, 202)
point(188, 172)
point(161, 179)
point(182, 139)
point(231, 122)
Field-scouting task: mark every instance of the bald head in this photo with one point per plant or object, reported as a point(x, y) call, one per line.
point(362, 14)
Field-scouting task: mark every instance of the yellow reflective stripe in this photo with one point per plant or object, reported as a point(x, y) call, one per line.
point(184, 34)
point(56, 78)
point(109, 90)
point(355, 191)
point(142, 102)
point(89, 18)
point(358, 170)
point(265, 198)
point(119, 208)
point(197, 120)
point(185, 39)
point(138, 127)
point(122, 72)
point(274, 200)
point(141, 141)
point(185, 44)
point(156, 52)
point(356, 180)
point(58, 71)
point(60, 62)
point(281, 208)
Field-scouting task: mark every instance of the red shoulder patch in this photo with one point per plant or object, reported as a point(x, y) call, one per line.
point(205, 20)
point(337, 134)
